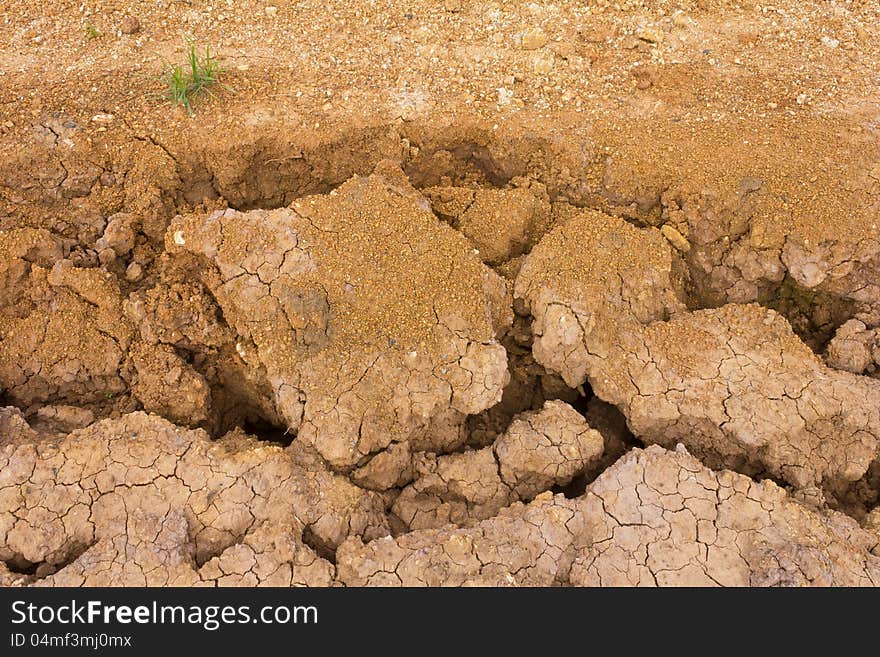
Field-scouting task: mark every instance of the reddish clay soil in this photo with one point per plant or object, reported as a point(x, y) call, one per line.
point(441, 293)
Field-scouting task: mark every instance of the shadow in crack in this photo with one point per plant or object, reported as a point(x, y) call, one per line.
point(266, 432)
point(41, 569)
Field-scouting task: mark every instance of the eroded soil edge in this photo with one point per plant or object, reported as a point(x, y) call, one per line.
point(413, 354)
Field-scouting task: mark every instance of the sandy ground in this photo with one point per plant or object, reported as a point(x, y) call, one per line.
point(465, 284)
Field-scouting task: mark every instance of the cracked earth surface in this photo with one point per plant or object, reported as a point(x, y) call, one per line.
point(449, 293)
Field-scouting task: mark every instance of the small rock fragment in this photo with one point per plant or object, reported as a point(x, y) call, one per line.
point(681, 19)
point(650, 34)
point(675, 238)
point(533, 39)
point(542, 63)
point(130, 25)
point(107, 256)
point(851, 347)
point(134, 272)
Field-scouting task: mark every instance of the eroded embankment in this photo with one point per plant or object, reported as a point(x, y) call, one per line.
point(428, 334)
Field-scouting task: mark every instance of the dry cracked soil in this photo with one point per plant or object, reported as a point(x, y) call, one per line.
point(441, 292)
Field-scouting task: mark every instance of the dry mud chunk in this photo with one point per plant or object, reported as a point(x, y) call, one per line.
point(733, 254)
point(733, 384)
point(529, 387)
point(168, 386)
point(180, 314)
point(538, 451)
point(818, 264)
point(119, 235)
point(50, 180)
point(152, 549)
point(599, 276)
point(388, 469)
point(737, 386)
point(456, 488)
point(504, 223)
point(545, 449)
point(60, 420)
point(60, 501)
point(854, 348)
point(654, 518)
point(744, 239)
point(20, 249)
point(156, 550)
point(374, 322)
point(844, 268)
point(524, 545)
point(14, 429)
point(176, 317)
point(70, 343)
point(271, 555)
point(662, 519)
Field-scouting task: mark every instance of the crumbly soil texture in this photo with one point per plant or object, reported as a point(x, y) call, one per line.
point(441, 292)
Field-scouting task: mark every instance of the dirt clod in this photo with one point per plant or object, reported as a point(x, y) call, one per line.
point(734, 384)
point(655, 518)
point(539, 450)
point(130, 25)
point(362, 361)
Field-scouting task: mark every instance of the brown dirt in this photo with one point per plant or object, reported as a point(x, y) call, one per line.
point(407, 298)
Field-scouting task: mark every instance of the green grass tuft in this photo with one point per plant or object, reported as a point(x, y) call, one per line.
point(91, 31)
point(195, 76)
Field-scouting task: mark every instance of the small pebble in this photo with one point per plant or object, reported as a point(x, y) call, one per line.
point(650, 34)
point(680, 19)
point(130, 25)
point(107, 256)
point(271, 11)
point(534, 39)
point(750, 184)
point(828, 42)
point(644, 78)
point(675, 238)
point(134, 272)
point(542, 63)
